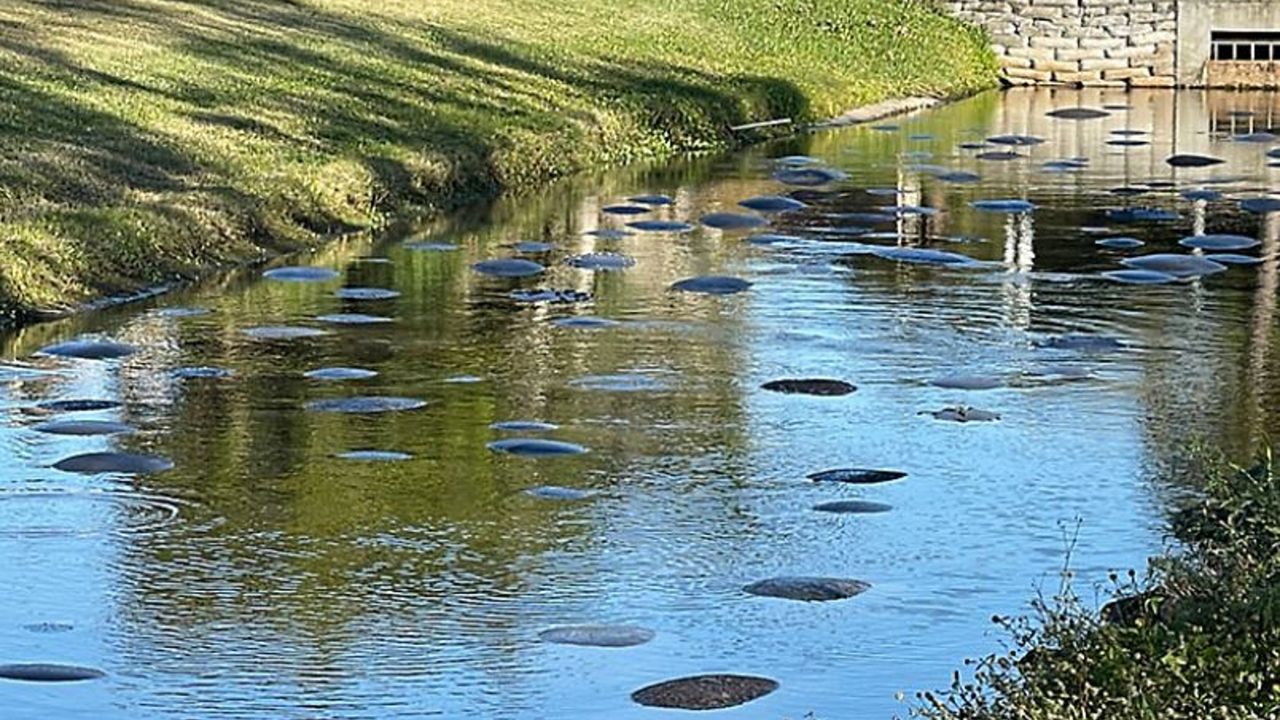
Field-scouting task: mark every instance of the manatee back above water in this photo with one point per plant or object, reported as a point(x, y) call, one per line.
point(1180, 266)
point(963, 415)
point(661, 226)
point(366, 404)
point(1193, 161)
point(78, 405)
point(733, 221)
point(712, 285)
point(601, 261)
point(89, 349)
point(535, 447)
point(556, 492)
point(823, 387)
point(1078, 113)
point(1219, 242)
point(705, 692)
point(772, 203)
point(302, 274)
point(508, 268)
point(49, 672)
point(113, 462)
point(613, 636)
point(365, 293)
point(808, 589)
point(1139, 277)
point(852, 507)
point(857, 476)
point(83, 427)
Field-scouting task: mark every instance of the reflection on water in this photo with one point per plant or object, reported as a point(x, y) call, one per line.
point(267, 576)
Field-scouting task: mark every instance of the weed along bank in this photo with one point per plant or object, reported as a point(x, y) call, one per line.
point(1118, 43)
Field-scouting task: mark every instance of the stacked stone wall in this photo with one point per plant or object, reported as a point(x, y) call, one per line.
point(1095, 43)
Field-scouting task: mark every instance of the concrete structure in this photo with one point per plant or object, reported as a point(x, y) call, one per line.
point(1132, 43)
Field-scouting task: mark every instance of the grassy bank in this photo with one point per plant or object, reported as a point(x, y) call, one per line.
point(1198, 638)
point(146, 139)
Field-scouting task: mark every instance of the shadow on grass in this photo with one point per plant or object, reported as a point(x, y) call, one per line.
point(473, 108)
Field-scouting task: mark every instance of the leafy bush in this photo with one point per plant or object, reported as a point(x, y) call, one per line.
point(1197, 637)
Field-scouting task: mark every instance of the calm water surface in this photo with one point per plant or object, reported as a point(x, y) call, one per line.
point(265, 577)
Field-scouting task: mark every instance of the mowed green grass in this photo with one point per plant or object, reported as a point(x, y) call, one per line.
point(147, 140)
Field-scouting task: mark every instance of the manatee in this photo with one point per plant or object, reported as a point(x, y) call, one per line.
point(113, 462)
point(774, 239)
point(1062, 166)
point(852, 507)
point(546, 295)
point(1003, 206)
point(1078, 113)
point(282, 332)
point(963, 415)
point(1119, 243)
point(1126, 132)
point(375, 455)
point(182, 312)
point(1141, 215)
point(601, 261)
point(365, 293)
point(625, 209)
point(1274, 153)
point(712, 285)
point(1233, 259)
point(340, 373)
point(902, 210)
point(886, 128)
point(609, 233)
point(704, 692)
point(463, 379)
point(508, 268)
point(1015, 140)
point(353, 319)
point(621, 382)
point(301, 273)
point(652, 199)
point(772, 204)
point(202, 372)
point(857, 476)
point(967, 382)
point(1181, 266)
point(1219, 242)
point(808, 589)
point(864, 218)
point(1128, 142)
point(1256, 137)
point(1193, 161)
point(733, 221)
point(661, 226)
point(959, 177)
point(810, 386)
point(1139, 277)
point(366, 404)
point(524, 426)
point(998, 156)
point(430, 246)
point(924, 256)
point(83, 427)
point(809, 176)
point(555, 492)
point(797, 160)
point(1261, 205)
point(89, 349)
point(1087, 343)
point(584, 322)
point(1129, 191)
point(1205, 195)
point(78, 405)
point(1118, 107)
point(920, 137)
point(614, 636)
point(49, 672)
point(535, 447)
point(530, 247)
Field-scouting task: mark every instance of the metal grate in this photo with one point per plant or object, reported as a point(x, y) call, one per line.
point(1245, 45)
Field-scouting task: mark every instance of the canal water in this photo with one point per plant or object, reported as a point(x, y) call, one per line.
point(264, 576)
